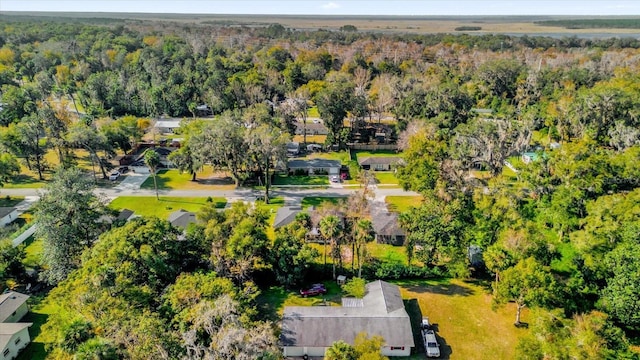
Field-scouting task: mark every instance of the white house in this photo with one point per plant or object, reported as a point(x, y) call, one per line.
point(13, 306)
point(13, 338)
point(315, 166)
point(310, 330)
point(8, 215)
point(167, 126)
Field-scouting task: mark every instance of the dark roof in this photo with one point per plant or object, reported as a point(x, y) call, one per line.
point(125, 214)
point(313, 163)
point(286, 215)
point(380, 160)
point(4, 211)
point(386, 224)
point(10, 302)
point(161, 151)
point(182, 218)
point(382, 314)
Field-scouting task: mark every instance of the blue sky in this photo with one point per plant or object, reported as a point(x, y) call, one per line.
point(337, 7)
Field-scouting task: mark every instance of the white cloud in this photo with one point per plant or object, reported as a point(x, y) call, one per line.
point(331, 6)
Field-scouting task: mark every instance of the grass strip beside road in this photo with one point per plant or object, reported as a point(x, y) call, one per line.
point(149, 206)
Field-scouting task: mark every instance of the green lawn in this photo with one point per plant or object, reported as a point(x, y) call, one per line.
point(385, 178)
point(271, 302)
point(388, 253)
point(313, 112)
point(10, 201)
point(274, 204)
point(38, 314)
point(24, 181)
point(316, 201)
point(149, 206)
point(378, 153)
point(33, 251)
point(402, 203)
point(280, 179)
point(342, 156)
point(174, 180)
point(466, 325)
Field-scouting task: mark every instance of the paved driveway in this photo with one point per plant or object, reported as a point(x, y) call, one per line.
point(132, 181)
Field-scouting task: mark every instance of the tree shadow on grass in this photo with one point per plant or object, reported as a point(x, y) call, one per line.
point(23, 179)
point(35, 350)
point(439, 288)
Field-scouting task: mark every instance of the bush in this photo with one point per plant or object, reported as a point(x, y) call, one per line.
point(355, 287)
point(396, 271)
point(301, 172)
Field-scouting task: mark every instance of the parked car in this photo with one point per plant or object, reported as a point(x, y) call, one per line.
point(313, 290)
point(334, 178)
point(425, 325)
point(114, 175)
point(123, 169)
point(431, 344)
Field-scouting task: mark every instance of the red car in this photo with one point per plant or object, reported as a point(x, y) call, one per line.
point(315, 289)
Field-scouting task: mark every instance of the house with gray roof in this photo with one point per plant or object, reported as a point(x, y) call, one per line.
point(387, 229)
point(315, 166)
point(8, 215)
point(182, 218)
point(310, 330)
point(13, 338)
point(286, 215)
point(380, 163)
point(13, 306)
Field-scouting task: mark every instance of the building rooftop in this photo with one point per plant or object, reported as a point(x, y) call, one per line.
point(286, 215)
point(380, 160)
point(313, 163)
point(182, 218)
point(4, 211)
point(9, 303)
point(382, 313)
point(7, 330)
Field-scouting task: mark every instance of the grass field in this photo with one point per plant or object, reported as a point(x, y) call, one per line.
point(356, 154)
point(341, 156)
point(38, 314)
point(174, 180)
point(316, 201)
point(315, 139)
point(149, 206)
point(402, 203)
point(465, 323)
point(385, 178)
point(33, 252)
point(280, 179)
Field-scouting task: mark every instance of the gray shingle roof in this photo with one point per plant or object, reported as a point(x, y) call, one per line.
point(10, 302)
point(313, 163)
point(8, 330)
point(286, 215)
point(380, 160)
point(382, 314)
point(386, 224)
point(4, 211)
point(182, 218)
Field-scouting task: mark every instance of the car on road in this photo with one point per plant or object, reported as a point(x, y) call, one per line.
point(313, 290)
point(114, 175)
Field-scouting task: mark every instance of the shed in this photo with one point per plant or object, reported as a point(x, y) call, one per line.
point(13, 338)
point(13, 306)
point(8, 215)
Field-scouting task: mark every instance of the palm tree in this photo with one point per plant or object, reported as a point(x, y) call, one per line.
point(152, 160)
point(363, 233)
point(330, 228)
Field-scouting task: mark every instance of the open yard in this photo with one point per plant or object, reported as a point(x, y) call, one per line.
point(466, 325)
point(316, 201)
point(205, 179)
point(385, 178)
point(402, 203)
point(359, 154)
point(280, 179)
point(149, 206)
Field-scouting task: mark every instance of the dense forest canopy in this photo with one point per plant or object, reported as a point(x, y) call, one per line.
point(561, 232)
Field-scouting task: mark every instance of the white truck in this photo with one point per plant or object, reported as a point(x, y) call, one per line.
point(431, 346)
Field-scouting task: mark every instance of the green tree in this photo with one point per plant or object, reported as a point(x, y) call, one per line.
point(186, 160)
point(66, 217)
point(84, 136)
point(527, 284)
point(290, 256)
point(330, 228)
point(152, 160)
point(11, 257)
point(268, 146)
point(340, 350)
point(363, 234)
point(355, 287)
point(369, 348)
point(8, 167)
point(334, 101)
point(621, 296)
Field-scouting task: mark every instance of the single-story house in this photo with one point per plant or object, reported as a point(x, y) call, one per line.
point(167, 126)
point(310, 330)
point(315, 166)
point(387, 229)
point(13, 338)
point(139, 166)
point(182, 218)
point(312, 128)
point(380, 163)
point(286, 215)
point(13, 306)
point(8, 215)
